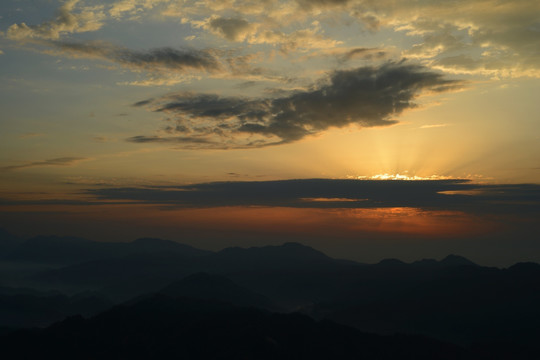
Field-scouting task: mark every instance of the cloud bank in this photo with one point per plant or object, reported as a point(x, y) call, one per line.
point(455, 195)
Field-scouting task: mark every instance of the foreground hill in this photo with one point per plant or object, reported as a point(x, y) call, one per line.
point(163, 327)
point(25, 310)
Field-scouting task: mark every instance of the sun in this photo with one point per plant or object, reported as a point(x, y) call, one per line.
point(402, 177)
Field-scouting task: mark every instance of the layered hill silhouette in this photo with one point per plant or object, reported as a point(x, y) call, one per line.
point(214, 287)
point(452, 300)
point(32, 310)
point(163, 327)
point(65, 250)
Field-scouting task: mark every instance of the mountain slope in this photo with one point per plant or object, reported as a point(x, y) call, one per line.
point(162, 327)
point(215, 287)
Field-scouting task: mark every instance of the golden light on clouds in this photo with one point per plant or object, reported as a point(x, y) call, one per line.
point(400, 177)
point(202, 92)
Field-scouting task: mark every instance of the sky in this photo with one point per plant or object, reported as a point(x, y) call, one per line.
point(367, 129)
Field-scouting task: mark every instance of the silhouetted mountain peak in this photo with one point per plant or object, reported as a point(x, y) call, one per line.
point(287, 249)
point(161, 245)
point(456, 260)
point(449, 261)
point(390, 263)
point(145, 241)
point(525, 267)
point(293, 244)
point(286, 256)
point(426, 263)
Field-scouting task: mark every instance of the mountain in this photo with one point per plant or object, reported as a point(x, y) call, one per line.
point(8, 241)
point(160, 246)
point(54, 249)
point(451, 299)
point(73, 250)
point(138, 273)
point(455, 260)
point(163, 327)
point(215, 287)
point(464, 304)
point(291, 275)
point(24, 310)
point(285, 257)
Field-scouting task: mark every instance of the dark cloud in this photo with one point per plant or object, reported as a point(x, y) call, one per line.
point(245, 84)
point(234, 29)
point(459, 195)
point(149, 139)
point(366, 96)
point(310, 4)
point(152, 60)
point(143, 102)
point(64, 161)
point(363, 53)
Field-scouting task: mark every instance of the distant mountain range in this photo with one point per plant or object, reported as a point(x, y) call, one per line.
point(452, 300)
point(72, 250)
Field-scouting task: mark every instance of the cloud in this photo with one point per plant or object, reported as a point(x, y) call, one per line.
point(489, 37)
point(30, 135)
point(67, 21)
point(132, 7)
point(457, 195)
point(363, 53)
point(151, 60)
point(177, 139)
point(102, 139)
point(302, 39)
point(366, 96)
point(432, 126)
point(233, 29)
point(262, 30)
point(166, 65)
point(64, 161)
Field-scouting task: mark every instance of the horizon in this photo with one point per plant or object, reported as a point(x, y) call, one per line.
point(410, 261)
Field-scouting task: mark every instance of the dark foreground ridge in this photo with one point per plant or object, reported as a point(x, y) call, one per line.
point(163, 327)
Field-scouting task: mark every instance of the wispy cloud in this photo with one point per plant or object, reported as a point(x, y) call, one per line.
point(30, 135)
point(64, 161)
point(67, 21)
point(151, 60)
point(432, 126)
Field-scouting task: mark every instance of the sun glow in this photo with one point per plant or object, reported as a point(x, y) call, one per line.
point(400, 177)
